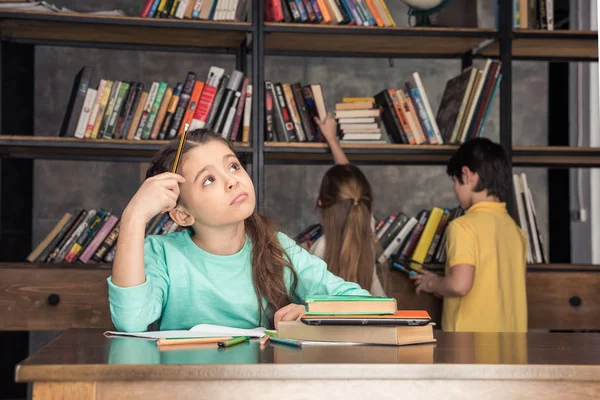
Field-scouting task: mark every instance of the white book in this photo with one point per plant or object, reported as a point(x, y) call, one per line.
point(398, 240)
point(430, 116)
point(86, 111)
point(181, 8)
point(521, 209)
point(537, 252)
point(475, 101)
point(550, 14)
point(198, 331)
point(247, 112)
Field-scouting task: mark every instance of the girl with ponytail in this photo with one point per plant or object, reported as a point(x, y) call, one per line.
point(228, 266)
point(348, 244)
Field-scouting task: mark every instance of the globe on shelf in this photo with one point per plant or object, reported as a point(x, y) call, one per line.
point(422, 9)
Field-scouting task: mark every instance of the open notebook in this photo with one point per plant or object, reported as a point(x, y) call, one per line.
point(202, 330)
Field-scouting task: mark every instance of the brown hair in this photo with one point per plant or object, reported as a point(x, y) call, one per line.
point(346, 201)
point(269, 260)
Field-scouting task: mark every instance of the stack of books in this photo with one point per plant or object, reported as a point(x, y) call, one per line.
point(359, 121)
point(358, 319)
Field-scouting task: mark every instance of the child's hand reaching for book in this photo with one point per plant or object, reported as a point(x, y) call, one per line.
point(157, 195)
point(328, 127)
point(424, 281)
point(291, 312)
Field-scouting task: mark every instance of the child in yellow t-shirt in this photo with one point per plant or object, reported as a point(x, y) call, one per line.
point(484, 282)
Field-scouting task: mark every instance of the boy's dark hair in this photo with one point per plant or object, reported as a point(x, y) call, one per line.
point(488, 160)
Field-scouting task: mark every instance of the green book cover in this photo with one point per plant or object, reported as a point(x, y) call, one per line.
point(162, 88)
point(109, 108)
point(323, 298)
point(112, 122)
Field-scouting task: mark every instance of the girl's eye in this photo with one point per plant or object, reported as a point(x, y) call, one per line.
point(208, 181)
point(234, 167)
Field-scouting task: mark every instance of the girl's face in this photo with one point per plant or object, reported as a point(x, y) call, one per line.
point(217, 191)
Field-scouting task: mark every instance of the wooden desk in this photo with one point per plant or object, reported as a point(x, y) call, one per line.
point(83, 364)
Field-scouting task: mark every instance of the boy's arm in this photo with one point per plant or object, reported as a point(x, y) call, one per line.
point(457, 283)
point(329, 129)
point(461, 251)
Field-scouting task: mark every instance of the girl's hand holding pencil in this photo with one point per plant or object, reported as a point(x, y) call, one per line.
point(157, 194)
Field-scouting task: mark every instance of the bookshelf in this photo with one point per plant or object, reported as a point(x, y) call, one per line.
point(21, 32)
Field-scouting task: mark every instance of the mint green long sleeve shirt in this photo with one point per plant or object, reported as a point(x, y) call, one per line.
point(186, 286)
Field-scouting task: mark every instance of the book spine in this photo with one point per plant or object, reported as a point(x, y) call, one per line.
point(422, 114)
point(88, 104)
point(216, 105)
point(240, 110)
point(293, 109)
point(127, 110)
point(85, 237)
point(170, 111)
point(247, 115)
point(226, 131)
point(184, 98)
point(109, 108)
point(162, 112)
point(147, 110)
point(98, 239)
point(191, 107)
point(75, 236)
point(58, 238)
point(94, 113)
point(107, 244)
point(112, 122)
point(269, 113)
point(303, 112)
point(75, 104)
point(54, 253)
point(103, 103)
point(283, 114)
point(137, 115)
point(160, 94)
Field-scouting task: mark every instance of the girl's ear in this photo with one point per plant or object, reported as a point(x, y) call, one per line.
point(181, 217)
point(319, 203)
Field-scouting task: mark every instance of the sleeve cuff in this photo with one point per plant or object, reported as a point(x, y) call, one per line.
point(129, 297)
point(456, 261)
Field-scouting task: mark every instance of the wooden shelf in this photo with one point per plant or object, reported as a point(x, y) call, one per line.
point(332, 40)
point(556, 156)
point(120, 32)
point(51, 147)
point(531, 156)
point(558, 44)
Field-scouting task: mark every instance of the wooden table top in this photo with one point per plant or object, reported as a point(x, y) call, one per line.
point(87, 355)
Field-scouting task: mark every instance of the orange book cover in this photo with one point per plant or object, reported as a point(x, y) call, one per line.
point(373, 10)
point(324, 11)
point(191, 108)
point(402, 117)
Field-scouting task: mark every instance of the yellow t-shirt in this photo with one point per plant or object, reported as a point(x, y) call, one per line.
point(488, 238)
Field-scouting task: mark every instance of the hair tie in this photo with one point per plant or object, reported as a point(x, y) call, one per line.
point(356, 202)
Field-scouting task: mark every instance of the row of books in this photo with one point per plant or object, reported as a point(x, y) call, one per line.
point(420, 239)
point(85, 236)
point(209, 10)
point(528, 219)
point(466, 102)
point(533, 14)
point(290, 110)
point(338, 12)
point(124, 110)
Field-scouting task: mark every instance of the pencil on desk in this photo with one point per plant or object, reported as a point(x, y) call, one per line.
point(264, 340)
point(233, 342)
point(287, 342)
point(179, 341)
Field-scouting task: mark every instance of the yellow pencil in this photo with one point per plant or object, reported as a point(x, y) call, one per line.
point(180, 149)
point(264, 340)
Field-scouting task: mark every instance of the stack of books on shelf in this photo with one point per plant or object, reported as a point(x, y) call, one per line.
point(128, 110)
point(533, 14)
point(528, 219)
point(359, 121)
point(90, 236)
point(337, 12)
point(209, 10)
point(358, 319)
point(290, 110)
